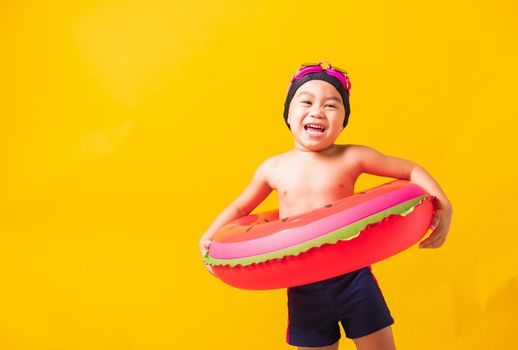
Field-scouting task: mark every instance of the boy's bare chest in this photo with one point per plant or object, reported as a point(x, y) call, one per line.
point(307, 183)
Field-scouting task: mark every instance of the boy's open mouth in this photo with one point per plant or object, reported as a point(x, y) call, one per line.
point(314, 129)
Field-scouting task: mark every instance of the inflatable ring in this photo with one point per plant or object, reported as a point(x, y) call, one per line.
point(261, 251)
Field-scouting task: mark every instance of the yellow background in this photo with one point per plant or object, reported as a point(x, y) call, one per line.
point(127, 127)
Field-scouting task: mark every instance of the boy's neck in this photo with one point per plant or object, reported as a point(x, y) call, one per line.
point(324, 152)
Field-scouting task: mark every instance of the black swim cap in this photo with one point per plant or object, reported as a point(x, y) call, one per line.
point(317, 76)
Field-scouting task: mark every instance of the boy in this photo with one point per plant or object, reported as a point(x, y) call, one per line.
point(317, 172)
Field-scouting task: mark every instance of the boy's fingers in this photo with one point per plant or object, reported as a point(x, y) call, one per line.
point(426, 245)
point(433, 242)
point(426, 242)
point(435, 223)
point(433, 239)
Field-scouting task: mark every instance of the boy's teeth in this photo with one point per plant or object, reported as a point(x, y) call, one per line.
point(314, 131)
point(314, 126)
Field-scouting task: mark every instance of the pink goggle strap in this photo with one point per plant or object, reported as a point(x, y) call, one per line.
point(303, 71)
point(344, 79)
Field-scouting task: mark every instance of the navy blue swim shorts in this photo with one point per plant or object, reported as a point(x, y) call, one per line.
point(353, 299)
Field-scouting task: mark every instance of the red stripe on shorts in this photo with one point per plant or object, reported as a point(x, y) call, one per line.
point(288, 328)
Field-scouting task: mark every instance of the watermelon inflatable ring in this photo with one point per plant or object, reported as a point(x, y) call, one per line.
point(261, 251)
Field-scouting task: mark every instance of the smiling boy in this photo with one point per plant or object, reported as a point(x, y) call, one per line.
point(316, 172)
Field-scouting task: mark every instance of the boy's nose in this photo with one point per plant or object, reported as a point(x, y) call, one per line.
point(317, 114)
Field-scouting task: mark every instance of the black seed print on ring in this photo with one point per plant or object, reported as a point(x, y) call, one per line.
point(361, 192)
point(284, 219)
point(328, 205)
point(251, 227)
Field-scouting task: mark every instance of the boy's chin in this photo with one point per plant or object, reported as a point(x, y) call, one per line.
point(325, 137)
point(314, 146)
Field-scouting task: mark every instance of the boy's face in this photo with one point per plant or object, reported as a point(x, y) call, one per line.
point(316, 102)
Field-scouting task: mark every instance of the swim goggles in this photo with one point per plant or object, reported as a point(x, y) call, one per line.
point(336, 72)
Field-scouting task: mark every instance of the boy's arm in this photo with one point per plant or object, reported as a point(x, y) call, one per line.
point(256, 192)
point(375, 163)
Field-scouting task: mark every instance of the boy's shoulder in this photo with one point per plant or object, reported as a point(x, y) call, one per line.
point(270, 166)
point(354, 149)
point(270, 163)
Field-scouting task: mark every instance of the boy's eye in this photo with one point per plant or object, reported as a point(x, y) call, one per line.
point(306, 101)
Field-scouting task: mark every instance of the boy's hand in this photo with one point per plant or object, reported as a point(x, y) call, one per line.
point(204, 248)
point(440, 226)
